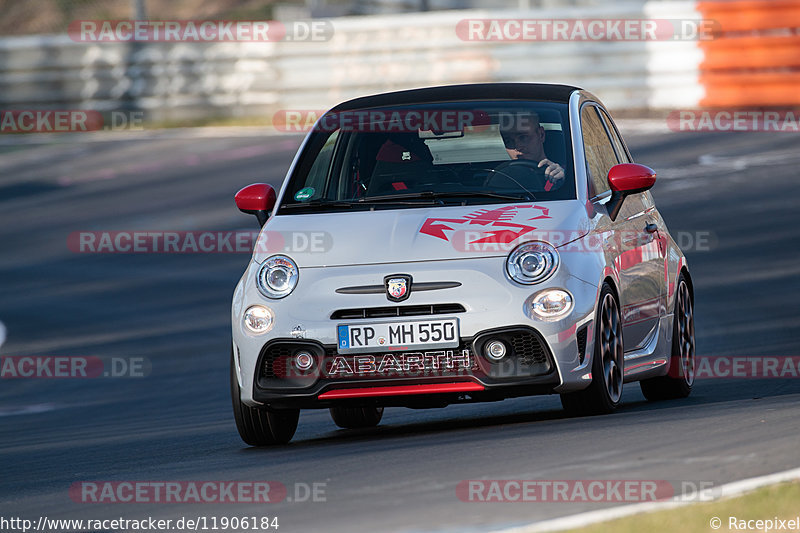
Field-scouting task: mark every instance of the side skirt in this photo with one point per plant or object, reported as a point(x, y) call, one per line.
point(652, 360)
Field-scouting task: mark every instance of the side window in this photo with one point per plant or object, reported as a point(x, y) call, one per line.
point(637, 203)
point(314, 186)
point(600, 156)
point(615, 138)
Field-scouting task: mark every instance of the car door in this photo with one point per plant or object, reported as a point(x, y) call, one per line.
point(631, 241)
point(642, 255)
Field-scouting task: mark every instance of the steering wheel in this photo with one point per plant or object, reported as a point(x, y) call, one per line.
point(523, 173)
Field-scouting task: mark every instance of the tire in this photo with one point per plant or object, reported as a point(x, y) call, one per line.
point(603, 395)
point(356, 417)
point(260, 427)
point(678, 382)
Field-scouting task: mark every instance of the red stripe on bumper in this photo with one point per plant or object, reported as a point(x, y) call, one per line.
point(401, 390)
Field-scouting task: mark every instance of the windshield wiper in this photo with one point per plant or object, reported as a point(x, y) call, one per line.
point(411, 198)
point(405, 198)
point(434, 195)
point(480, 194)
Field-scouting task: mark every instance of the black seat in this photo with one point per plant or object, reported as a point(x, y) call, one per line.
point(400, 162)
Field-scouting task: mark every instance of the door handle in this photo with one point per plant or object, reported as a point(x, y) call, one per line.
point(651, 228)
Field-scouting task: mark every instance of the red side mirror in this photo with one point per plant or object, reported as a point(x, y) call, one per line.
point(257, 199)
point(629, 178)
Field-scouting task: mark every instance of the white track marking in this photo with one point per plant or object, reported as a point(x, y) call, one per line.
point(727, 490)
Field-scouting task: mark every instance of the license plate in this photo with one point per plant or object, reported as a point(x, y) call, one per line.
point(355, 338)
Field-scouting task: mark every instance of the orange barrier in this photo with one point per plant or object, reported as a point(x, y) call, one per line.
point(754, 58)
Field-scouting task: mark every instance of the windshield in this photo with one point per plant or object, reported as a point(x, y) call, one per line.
point(435, 154)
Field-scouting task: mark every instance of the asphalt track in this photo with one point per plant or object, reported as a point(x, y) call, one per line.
point(738, 190)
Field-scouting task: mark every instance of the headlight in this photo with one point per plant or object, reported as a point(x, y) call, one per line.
point(258, 319)
point(532, 262)
point(277, 277)
point(551, 304)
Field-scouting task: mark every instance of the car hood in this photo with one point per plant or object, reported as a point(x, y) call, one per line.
point(418, 234)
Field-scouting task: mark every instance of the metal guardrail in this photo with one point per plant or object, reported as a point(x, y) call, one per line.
point(365, 55)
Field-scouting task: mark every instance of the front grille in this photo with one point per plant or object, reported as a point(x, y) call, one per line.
point(331, 353)
point(397, 310)
point(276, 364)
point(580, 336)
point(528, 347)
point(528, 353)
point(275, 358)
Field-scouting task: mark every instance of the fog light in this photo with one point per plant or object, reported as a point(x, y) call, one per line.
point(552, 304)
point(495, 350)
point(258, 319)
point(303, 361)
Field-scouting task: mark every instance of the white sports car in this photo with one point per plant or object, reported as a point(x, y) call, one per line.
point(467, 243)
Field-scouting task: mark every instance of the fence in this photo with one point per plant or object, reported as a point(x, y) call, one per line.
point(372, 54)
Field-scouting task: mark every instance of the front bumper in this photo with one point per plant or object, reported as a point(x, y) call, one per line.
point(492, 306)
point(529, 363)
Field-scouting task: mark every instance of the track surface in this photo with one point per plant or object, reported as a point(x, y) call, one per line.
point(176, 424)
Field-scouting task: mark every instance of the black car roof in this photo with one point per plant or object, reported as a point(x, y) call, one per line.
point(476, 91)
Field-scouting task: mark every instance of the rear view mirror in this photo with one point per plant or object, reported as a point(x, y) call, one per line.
point(625, 179)
point(257, 199)
point(630, 178)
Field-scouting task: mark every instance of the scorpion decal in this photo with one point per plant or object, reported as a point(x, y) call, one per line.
point(498, 223)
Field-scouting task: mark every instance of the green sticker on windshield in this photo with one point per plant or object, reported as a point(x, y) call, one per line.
point(304, 194)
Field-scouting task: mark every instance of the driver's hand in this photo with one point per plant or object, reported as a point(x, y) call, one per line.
point(514, 153)
point(554, 171)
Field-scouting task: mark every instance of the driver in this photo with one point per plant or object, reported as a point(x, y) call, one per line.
point(525, 140)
